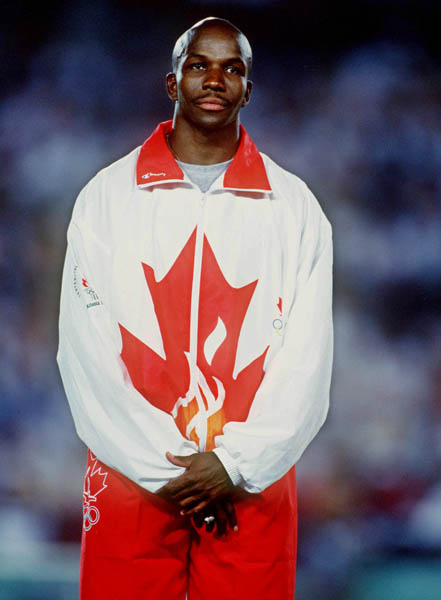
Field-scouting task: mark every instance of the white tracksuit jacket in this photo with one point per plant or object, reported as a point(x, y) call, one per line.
point(194, 321)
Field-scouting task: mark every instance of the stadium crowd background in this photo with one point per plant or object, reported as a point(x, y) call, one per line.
point(347, 95)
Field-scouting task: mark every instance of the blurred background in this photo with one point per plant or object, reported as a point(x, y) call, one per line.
point(347, 96)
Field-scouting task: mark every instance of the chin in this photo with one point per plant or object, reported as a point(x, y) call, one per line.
point(214, 120)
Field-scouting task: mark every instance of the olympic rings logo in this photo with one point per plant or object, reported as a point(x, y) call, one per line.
point(91, 516)
point(278, 326)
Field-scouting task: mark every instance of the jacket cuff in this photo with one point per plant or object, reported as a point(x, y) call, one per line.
point(230, 465)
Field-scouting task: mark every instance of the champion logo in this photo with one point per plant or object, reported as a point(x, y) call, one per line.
point(148, 175)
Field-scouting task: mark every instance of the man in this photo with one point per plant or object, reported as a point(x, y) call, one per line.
point(195, 346)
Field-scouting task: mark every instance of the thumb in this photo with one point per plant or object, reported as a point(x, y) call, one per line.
point(179, 461)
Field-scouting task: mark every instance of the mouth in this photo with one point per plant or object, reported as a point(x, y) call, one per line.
point(212, 103)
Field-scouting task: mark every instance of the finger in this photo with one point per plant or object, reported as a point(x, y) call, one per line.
point(179, 461)
point(230, 512)
point(221, 521)
point(211, 525)
point(198, 520)
point(180, 488)
point(202, 504)
point(168, 493)
point(189, 502)
point(189, 491)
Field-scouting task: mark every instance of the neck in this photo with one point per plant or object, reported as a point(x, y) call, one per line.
point(203, 146)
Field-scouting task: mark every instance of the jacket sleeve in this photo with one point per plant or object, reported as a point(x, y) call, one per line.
point(292, 401)
point(118, 425)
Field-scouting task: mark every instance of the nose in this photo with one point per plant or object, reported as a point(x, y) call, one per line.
point(214, 79)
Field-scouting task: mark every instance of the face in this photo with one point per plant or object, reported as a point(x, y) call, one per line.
point(210, 85)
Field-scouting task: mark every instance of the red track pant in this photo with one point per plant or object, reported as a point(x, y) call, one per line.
point(136, 546)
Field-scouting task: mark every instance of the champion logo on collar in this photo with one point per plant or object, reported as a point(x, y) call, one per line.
point(150, 175)
point(156, 164)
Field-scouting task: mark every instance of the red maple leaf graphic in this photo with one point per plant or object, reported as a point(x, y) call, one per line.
point(165, 383)
point(279, 305)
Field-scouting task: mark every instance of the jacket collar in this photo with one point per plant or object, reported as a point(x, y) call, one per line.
point(156, 164)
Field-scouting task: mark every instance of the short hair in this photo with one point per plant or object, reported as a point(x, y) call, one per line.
point(187, 37)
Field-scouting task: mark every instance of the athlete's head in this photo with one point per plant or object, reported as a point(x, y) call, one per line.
point(185, 40)
point(209, 84)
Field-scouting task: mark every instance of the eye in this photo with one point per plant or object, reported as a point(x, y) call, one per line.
point(234, 70)
point(197, 66)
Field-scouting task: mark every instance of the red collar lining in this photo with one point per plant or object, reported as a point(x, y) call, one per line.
point(156, 163)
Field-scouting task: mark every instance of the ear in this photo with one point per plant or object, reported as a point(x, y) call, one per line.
point(172, 88)
point(247, 93)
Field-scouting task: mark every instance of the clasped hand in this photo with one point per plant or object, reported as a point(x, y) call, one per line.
point(203, 490)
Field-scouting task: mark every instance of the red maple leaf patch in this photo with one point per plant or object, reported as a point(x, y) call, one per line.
point(166, 383)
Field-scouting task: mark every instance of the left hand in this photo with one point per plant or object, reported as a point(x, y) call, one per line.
point(205, 481)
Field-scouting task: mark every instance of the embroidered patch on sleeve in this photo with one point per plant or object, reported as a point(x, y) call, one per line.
point(84, 291)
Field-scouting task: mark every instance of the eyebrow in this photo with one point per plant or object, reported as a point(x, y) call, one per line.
point(204, 56)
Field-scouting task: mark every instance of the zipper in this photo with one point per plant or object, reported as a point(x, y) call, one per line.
point(194, 324)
